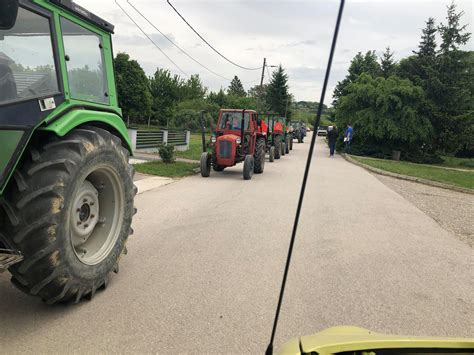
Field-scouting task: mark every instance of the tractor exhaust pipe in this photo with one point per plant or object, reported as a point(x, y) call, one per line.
point(203, 132)
point(242, 131)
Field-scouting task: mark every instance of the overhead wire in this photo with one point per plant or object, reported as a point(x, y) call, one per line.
point(151, 40)
point(174, 44)
point(212, 47)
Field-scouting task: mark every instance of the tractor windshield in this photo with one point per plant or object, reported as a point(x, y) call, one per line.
point(27, 68)
point(233, 120)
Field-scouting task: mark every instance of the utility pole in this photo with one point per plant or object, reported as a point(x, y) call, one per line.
point(263, 71)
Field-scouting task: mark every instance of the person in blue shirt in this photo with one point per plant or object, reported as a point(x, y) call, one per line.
point(348, 138)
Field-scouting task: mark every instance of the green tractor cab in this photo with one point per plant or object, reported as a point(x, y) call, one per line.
point(66, 187)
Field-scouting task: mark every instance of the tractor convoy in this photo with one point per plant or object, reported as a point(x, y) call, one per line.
point(245, 136)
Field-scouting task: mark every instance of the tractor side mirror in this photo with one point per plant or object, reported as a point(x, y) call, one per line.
point(8, 13)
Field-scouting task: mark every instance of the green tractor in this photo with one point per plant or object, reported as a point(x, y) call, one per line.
point(278, 137)
point(66, 185)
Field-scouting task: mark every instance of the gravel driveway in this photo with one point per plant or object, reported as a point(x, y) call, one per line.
point(451, 209)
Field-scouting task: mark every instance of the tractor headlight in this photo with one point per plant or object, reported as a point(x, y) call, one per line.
point(238, 141)
point(213, 139)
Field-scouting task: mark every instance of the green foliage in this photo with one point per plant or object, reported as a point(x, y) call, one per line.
point(384, 114)
point(166, 153)
point(187, 114)
point(236, 88)
point(133, 88)
point(387, 64)
point(360, 64)
point(277, 95)
point(166, 91)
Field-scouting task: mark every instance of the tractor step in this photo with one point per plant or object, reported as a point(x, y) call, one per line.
point(8, 258)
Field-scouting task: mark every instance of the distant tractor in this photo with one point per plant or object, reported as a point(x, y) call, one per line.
point(298, 130)
point(278, 136)
point(66, 185)
point(238, 137)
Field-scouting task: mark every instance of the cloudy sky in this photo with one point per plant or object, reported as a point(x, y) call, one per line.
point(295, 34)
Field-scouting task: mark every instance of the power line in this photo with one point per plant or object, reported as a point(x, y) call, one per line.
point(202, 38)
point(150, 39)
point(174, 44)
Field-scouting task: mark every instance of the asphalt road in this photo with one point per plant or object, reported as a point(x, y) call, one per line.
point(204, 268)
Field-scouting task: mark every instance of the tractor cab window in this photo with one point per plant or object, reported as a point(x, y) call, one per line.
point(233, 120)
point(85, 63)
point(27, 68)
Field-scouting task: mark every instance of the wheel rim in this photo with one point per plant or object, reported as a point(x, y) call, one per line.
point(96, 215)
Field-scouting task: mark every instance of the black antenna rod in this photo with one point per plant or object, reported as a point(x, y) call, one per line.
point(269, 350)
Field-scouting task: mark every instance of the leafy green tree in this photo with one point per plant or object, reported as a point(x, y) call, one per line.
point(236, 88)
point(385, 115)
point(387, 64)
point(166, 90)
point(219, 98)
point(133, 88)
point(277, 94)
point(367, 63)
point(187, 114)
point(193, 88)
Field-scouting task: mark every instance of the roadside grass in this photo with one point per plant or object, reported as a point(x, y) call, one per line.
point(195, 148)
point(451, 177)
point(460, 163)
point(176, 169)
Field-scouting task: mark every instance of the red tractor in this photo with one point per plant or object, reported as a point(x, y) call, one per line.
point(238, 137)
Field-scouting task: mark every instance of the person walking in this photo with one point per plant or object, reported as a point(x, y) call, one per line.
point(348, 138)
point(332, 138)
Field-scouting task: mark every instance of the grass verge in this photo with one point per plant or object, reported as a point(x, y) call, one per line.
point(463, 179)
point(460, 163)
point(195, 148)
point(176, 169)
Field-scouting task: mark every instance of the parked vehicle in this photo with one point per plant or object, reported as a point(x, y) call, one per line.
point(322, 131)
point(238, 138)
point(66, 187)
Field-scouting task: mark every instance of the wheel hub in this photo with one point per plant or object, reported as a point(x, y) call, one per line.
point(86, 214)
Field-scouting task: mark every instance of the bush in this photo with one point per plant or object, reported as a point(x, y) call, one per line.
point(166, 153)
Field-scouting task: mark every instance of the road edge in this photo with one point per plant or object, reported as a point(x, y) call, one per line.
point(407, 178)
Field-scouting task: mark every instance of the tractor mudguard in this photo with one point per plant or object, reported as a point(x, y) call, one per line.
point(76, 118)
point(14, 142)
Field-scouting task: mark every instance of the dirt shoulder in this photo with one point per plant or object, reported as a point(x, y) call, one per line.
point(451, 209)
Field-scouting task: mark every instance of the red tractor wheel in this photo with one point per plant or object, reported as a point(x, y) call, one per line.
point(205, 164)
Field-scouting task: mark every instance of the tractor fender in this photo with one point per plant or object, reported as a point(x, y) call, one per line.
point(107, 120)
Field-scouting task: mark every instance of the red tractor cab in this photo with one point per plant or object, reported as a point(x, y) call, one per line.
point(238, 137)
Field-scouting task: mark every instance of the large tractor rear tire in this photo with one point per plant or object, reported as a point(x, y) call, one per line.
point(283, 147)
point(259, 156)
point(277, 141)
point(69, 212)
point(248, 167)
point(205, 164)
point(291, 142)
point(287, 145)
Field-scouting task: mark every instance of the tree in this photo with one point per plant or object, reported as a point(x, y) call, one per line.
point(359, 64)
point(133, 88)
point(236, 88)
point(454, 100)
point(387, 64)
point(193, 88)
point(427, 46)
point(218, 98)
point(277, 94)
point(385, 115)
point(166, 90)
